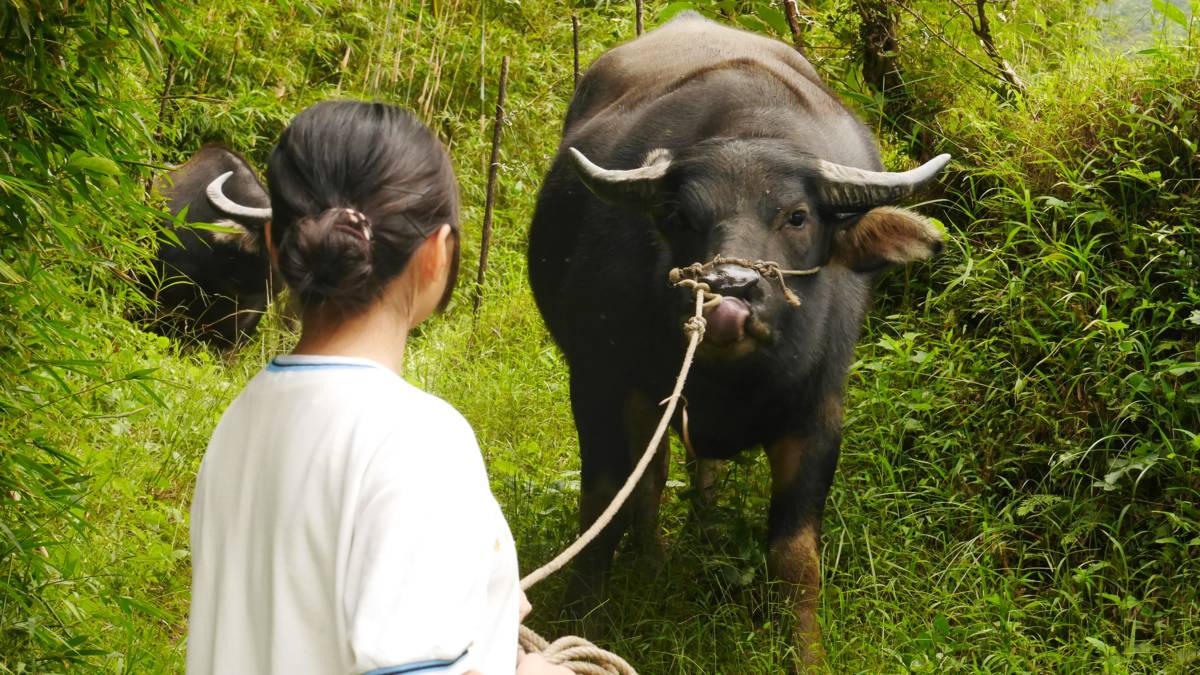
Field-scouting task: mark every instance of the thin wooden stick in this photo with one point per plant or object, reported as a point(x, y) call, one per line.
point(493, 168)
point(168, 82)
point(575, 45)
point(341, 70)
point(792, 12)
point(638, 3)
point(385, 42)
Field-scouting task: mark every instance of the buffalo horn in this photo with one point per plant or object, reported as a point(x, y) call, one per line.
point(630, 187)
point(226, 205)
point(852, 190)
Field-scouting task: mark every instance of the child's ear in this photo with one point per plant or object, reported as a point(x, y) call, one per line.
point(435, 253)
point(444, 246)
point(886, 236)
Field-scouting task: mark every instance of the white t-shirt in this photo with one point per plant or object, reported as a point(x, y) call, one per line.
point(343, 523)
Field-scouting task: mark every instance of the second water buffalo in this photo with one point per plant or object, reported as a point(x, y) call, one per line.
point(212, 284)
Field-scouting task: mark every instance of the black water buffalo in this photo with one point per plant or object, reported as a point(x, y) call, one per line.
point(212, 284)
point(693, 141)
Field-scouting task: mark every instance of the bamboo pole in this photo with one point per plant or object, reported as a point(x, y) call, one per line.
point(638, 4)
point(575, 45)
point(493, 169)
point(793, 18)
point(168, 82)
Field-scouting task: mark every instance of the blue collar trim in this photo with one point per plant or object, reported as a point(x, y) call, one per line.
point(432, 665)
point(297, 362)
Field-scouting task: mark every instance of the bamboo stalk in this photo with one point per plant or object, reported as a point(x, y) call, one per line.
point(412, 68)
point(490, 201)
point(398, 51)
point(452, 81)
point(160, 122)
point(342, 68)
point(237, 47)
point(384, 42)
point(793, 18)
point(168, 83)
point(638, 4)
point(575, 46)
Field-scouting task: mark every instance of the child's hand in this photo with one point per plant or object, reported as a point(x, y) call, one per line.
point(526, 608)
point(534, 664)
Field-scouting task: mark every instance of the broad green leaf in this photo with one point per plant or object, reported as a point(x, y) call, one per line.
point(1184, 368)
point(751, 22)
point(9, 273)
point(775, 19)
point(674, 8)
point(1170, 11)
point(215, 227)
point(23, 17)
point(95, 165)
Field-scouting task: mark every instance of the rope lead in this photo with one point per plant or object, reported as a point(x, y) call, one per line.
point(573, 652)
point(576, 653)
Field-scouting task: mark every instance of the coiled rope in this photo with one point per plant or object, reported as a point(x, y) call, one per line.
point(573, 652)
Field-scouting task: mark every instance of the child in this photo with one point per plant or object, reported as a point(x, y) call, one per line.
point(342, 520)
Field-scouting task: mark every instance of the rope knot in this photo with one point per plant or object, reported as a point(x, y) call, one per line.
point(689, 277)
point(695, 325)
point(574, 653)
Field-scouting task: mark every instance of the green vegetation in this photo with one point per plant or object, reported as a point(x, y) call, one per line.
point(1019, 488)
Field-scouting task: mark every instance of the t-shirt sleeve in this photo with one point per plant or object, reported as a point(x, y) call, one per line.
point(416, 585)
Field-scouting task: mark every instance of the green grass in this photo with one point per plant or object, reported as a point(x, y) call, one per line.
point(1018, 488)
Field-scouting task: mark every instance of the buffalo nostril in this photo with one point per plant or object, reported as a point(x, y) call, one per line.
point(730, 279)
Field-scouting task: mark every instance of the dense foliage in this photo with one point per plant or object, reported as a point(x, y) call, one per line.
point(1019, 487)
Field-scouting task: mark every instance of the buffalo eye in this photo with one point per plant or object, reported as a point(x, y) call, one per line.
point(680, 220)
point(798, 218)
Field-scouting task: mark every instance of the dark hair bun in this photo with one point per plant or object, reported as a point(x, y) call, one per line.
point(387, 165)
point(328, 258)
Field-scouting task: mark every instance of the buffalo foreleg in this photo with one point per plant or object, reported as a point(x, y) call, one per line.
point(641, 418)
point(801, 472)
point(605, 464)
point(705, 475)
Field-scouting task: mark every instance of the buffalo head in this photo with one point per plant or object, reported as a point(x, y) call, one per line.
point(212, 282)
point(764, 199)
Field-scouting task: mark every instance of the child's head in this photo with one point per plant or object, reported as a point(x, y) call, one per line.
point(356, 190)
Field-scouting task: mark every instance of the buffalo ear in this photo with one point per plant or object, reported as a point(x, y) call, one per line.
point(886, 236)
point(233, 233)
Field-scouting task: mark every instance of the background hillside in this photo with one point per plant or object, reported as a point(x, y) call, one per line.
point(1020, 481)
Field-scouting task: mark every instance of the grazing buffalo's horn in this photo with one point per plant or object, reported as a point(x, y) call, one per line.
point(230, 207)
point(848, 189)
point(630, 187)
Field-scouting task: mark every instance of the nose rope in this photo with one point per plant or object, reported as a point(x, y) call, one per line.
point(689, 277)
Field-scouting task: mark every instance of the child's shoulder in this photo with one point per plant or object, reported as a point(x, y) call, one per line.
point(410, 420)
point(396, 402)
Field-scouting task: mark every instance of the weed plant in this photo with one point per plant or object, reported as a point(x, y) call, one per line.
point(1019, 479)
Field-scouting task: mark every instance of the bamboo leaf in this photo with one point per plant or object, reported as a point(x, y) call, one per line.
point(1171, 12)
point(102, 166)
